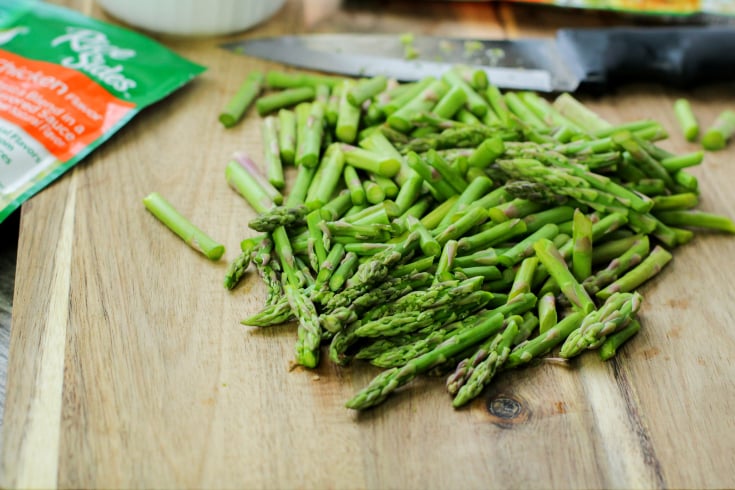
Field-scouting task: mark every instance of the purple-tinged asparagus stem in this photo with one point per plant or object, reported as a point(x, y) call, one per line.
point(252, 169)
point(244, 183)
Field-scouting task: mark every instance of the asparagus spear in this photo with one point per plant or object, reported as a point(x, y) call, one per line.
point(388, 381)
point(237, 268)
point(483, 372)
point(279, 216)
point(273, 314)
point(614, 315)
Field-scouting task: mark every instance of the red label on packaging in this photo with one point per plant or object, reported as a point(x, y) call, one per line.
point(61, 108)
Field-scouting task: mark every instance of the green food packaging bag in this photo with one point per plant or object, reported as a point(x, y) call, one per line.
point(68, 83)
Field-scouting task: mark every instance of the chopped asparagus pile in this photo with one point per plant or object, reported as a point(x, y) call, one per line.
point(443, 226)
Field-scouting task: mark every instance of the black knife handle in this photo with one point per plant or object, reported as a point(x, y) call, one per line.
point(681, 56)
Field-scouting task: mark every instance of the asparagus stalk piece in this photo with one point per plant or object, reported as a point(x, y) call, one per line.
point(348, 115)
point(550, 257)
point(310, 130)
point(451, 102)
point(523, 278)
point(402, 119)
point(631, 257)
point(366, 89)
point(473, 101)
point(582, 246)
point(287, 136)
point(492, 236)
point(648, 268)
point(242, 100)
point(677, 162)
point(444, 266)
point(385, 166)
point(271, 153)
point(686, 119)
point(610, 346)
point(547, 314)
point(286, 98)
point(247, 186)
point(577, 112)
point(697, 219)
point(285, 80)
point(185, 229)
point(717, 135)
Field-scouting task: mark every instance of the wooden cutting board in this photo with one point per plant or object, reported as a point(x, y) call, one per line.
point(129, 367)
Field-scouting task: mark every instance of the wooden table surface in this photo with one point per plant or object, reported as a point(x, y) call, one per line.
point(129, 368)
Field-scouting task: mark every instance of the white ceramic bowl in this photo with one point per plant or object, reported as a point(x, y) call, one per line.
point(192, 17)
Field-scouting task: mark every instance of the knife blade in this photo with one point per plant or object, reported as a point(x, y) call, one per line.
point(589, 59)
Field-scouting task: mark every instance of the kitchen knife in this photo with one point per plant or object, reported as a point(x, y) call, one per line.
point(591, 59)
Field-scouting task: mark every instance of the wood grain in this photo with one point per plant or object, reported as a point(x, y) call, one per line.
point(129, 367)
